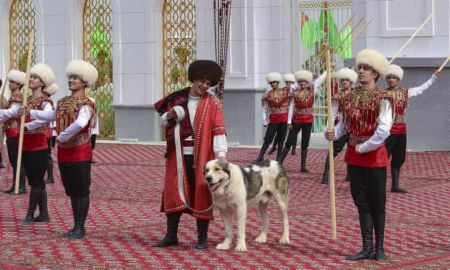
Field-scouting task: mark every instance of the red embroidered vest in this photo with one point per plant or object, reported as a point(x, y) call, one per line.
point(10, 126)
point(77, 148)
point(278, 103)
point(35, 140)
point(304, 101)
point(360, 110)
point(399, 97)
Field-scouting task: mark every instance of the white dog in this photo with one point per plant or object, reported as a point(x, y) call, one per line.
point(234, 188)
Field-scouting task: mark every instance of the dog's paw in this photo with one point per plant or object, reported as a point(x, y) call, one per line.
point(262, 238)
point(241, 247)
point(284, 239)
point(223, 246)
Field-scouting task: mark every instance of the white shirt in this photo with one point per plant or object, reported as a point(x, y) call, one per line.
point(415, 91)
point(82, 121)
point(382, 132)
point(294, 87)
point(13, 111)
point(220, 147)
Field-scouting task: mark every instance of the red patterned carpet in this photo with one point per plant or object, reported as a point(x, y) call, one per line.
point(124, 220)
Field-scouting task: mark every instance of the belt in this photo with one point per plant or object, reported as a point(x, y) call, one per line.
point(304, 111)
point(355, 140)
point(187, 143)
point(76, 140)
point(399, 119)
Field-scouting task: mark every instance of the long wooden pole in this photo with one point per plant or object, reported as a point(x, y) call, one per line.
point(345, 25)
point(330, 148)
point(353, 38)
point(349, 34)
point(22, 117)
point(444, 64)
point(411, 37)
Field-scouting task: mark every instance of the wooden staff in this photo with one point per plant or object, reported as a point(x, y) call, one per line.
point(342, 41)
point(349, 34)
point(444, 64)
point(411, 37)
point(22, 117)
point(330, 148)
point(4, 83)
point(353, 38)
point(345, 25)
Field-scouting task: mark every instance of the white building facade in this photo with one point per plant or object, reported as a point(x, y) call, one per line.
point(264, 37)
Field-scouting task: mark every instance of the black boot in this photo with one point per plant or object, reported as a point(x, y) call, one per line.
point(171, 238)
point(380, 221)
point(283, 155)
point(82, 212)
point(43, 210)
point(303, 160)
point(35, 194)
point(2, 164)
point(13, 184)
point(74, 203)
point(366, 223)
point(50, 179)
point(395, 173)
point(293, 150)
point(326, 171)
point(202, 230)
point(261, 153)
point(22, 188)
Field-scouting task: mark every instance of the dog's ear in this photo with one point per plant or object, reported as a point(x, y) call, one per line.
point(225, 167)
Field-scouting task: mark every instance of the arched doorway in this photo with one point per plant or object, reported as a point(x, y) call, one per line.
point(22, 17)
point(97, 49)
point(179, 43)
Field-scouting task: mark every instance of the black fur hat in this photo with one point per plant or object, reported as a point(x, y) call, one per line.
point(205, 69)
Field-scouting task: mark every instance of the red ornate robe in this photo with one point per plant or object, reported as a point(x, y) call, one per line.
point(208, 122)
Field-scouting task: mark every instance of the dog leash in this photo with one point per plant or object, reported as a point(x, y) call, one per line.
point(179, 156)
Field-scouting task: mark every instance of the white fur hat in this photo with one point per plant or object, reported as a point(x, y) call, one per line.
point(395, 70)
point(304, 75)
point(374, 59)
point(44, 72)
point(51, 89)
point(346, 73)
point(273, 77)
point(289, 77)
point(87, 72)
point(16, 76)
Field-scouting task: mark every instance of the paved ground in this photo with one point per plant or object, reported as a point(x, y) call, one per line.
point(125, 220)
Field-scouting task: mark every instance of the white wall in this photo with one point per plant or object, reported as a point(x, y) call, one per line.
point(395, 21)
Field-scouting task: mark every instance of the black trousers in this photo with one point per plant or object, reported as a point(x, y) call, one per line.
point(280, 129)
point(292, 136)
point(368, 188)
point(339, 144)
point(189, 162)
point(12, 147)
point(396, 148)
point(35, 163)
point(76, 178)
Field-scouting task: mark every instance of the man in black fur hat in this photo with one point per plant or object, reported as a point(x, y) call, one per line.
point(197, 117)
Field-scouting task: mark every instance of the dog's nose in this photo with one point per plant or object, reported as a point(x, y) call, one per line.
point(209, 179)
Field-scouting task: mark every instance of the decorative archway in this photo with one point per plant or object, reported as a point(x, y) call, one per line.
point(179, 43)
point(97, 49)
point(22, 16)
